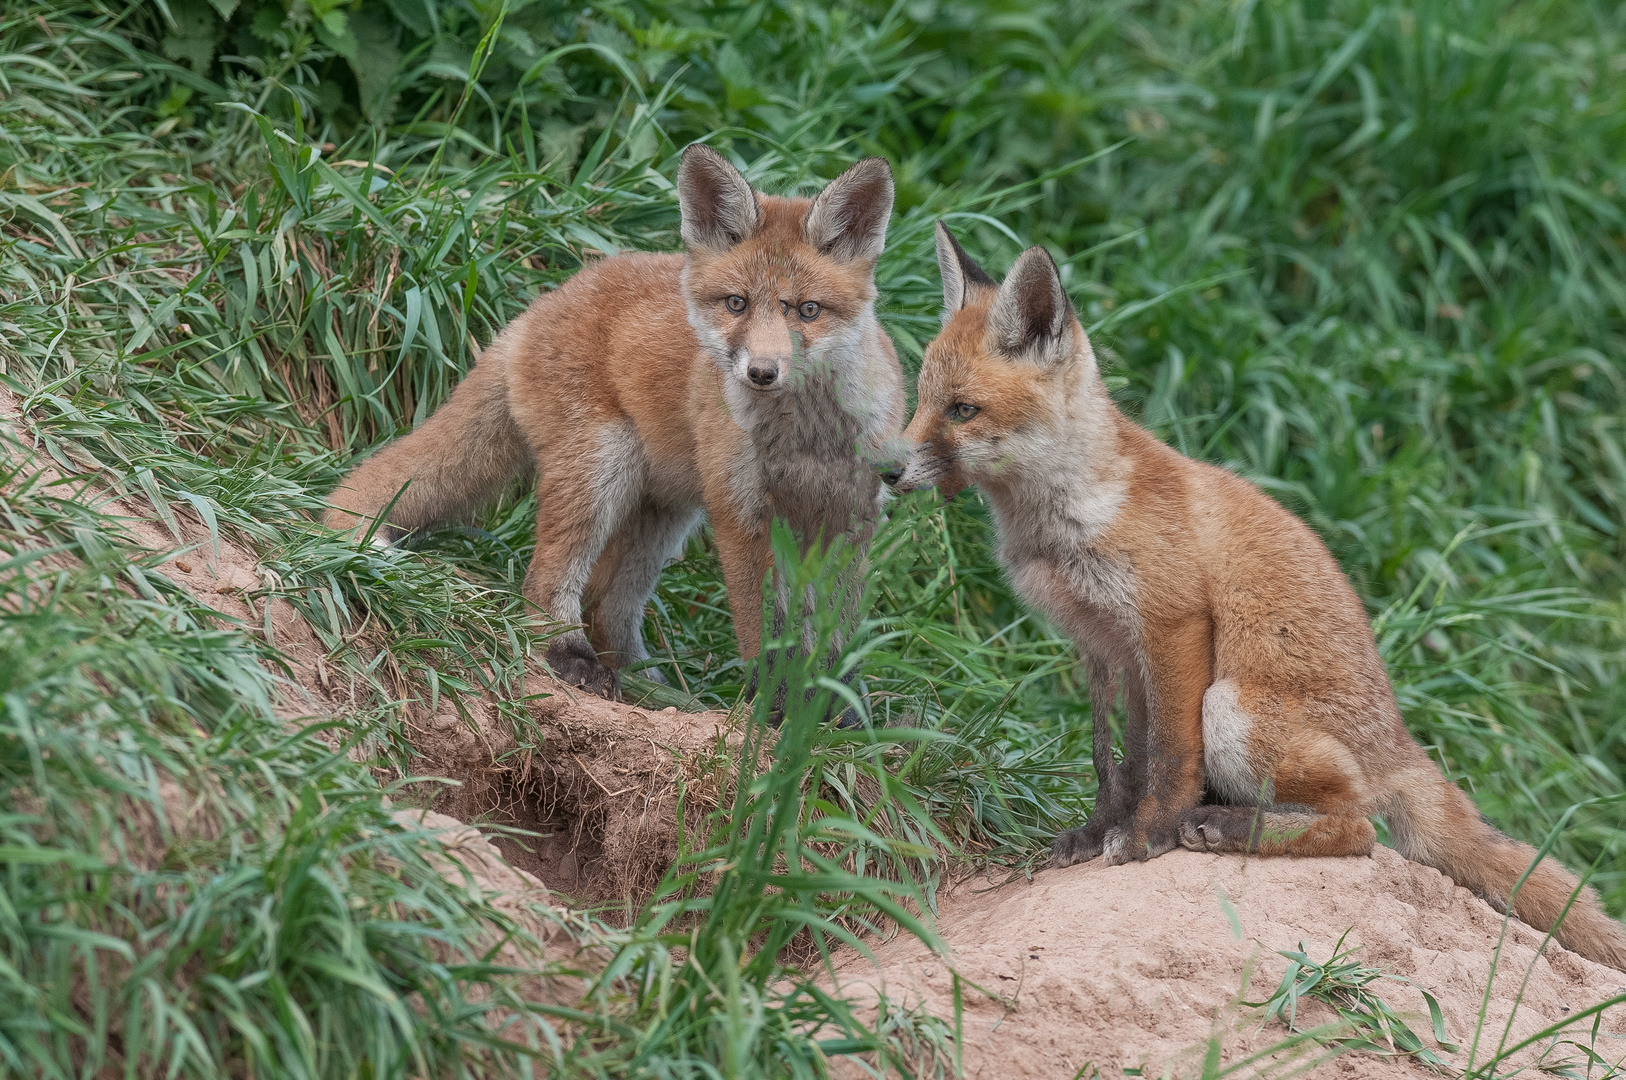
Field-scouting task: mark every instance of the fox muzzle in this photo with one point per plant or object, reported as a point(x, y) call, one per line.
point(925, 467)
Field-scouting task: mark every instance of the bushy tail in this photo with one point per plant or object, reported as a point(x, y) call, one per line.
point(1434, 823)
point(454, 462)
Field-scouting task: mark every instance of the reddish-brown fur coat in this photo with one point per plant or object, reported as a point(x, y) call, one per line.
point(1250, 673)
point(625, 393)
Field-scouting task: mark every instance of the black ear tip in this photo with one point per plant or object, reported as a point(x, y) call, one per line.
point(974, 273)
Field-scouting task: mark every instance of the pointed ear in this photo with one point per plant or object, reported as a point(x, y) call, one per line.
point(848, 219)
point(960, 273)
point(719, 208)
point(1032, 318)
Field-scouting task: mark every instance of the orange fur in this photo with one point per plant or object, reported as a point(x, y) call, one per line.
point(1249, 666)
point(637, 395)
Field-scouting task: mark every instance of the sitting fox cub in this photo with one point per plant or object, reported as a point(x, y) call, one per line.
point(749, 377)
point(1248, 664)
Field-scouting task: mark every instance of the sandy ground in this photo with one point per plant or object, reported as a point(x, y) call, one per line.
point(1137, 966)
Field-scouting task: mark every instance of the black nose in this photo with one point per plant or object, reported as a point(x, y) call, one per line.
point(891, 477)
point(762, 374)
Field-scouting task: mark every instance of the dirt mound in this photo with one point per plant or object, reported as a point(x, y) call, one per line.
point(595, 789)
point(218, 572)
point(1137, 966)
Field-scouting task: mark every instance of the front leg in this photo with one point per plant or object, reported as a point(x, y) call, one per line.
point(1178, 667)
point(743, 549)
point(1111, 808)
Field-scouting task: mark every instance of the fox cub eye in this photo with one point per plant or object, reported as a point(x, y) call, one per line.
point(809, 311)
point(962, 411)
point(736, 304)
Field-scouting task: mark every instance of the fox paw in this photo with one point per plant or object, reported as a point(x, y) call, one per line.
point(1252, 829)
point(1224, 828)
point(848, 719)
point(384, 537)
point(1200, 830)
point(1079, 845)
point(1137, 843)
point(578, 665)
point(1204, 829)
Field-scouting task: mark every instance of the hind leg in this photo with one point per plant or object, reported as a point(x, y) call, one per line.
point(1276, 830)
point(626, 575)
point(577, 512)
point(1294, 789)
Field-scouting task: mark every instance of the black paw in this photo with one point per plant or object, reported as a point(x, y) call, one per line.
point(1238, 828)
point(1077, 845)
point(850, 719)
point(577, 664)
point(1203, 830)
point(847, 720)
point(652, 673)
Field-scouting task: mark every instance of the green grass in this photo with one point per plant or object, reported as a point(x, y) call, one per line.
point(1370, 257)
point(798, 859)
point(186, 880)
point(1365, 1021)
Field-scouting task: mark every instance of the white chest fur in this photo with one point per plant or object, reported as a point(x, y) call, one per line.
point(1090, 596)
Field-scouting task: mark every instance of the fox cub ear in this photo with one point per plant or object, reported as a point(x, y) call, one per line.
point(848, 219)
point(719, 208)
point(960, 273)
point(1032, 318)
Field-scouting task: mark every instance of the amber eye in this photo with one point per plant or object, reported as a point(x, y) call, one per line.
point(809, 311)
point(736, 304)
point(962, 411)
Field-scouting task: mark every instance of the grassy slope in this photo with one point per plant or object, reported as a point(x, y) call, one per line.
point(1371, 259)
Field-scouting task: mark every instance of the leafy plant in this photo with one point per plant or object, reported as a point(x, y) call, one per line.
point(1366, 1022)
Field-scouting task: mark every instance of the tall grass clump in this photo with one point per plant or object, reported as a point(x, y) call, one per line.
point(814, 846)
point(190, 887)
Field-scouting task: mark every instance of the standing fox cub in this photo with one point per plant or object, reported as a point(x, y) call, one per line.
point(1247, 661)
point(749, 377)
